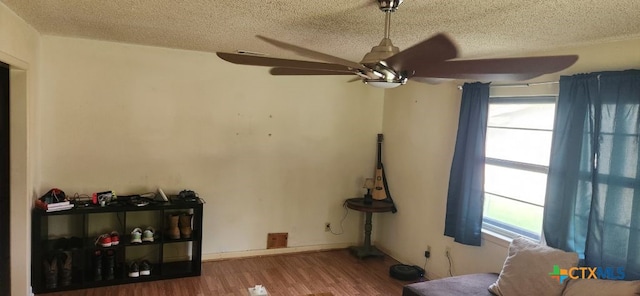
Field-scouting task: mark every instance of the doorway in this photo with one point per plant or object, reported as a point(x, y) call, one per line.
point(5, 250)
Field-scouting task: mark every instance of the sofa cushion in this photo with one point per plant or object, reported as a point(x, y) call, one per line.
point(527, 267)
point(464, 285)
point(588, 287)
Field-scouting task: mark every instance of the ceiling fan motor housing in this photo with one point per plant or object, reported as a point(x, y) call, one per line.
point(389, 5)
point(380, 52)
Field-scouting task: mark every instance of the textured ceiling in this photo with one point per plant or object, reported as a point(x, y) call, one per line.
point(347, 29)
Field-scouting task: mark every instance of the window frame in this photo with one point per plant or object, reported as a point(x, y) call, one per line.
point(494, 226)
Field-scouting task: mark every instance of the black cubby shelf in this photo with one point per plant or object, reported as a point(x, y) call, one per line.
point(75, 231)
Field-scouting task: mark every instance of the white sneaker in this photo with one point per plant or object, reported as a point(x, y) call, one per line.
point(147, 235)
point(136, 235)
point(145, 267)
point(134, 270)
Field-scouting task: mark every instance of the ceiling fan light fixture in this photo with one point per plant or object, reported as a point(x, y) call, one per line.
point(381, 83)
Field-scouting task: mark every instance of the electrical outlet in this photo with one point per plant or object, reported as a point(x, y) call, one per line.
point(427, 253)
point(447, 251)
point(327, 227)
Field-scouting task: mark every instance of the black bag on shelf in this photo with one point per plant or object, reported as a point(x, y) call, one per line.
point(53, 196)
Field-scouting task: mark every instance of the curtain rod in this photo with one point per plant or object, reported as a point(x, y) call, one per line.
point(519, 84)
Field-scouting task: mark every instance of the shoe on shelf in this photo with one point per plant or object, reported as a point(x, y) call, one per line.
point(115, 238)
point(97, 265)
point(136, 236)
point(185, 225)
point(147, 235)
point(109, 264)
point(64, 268)
point(50, 265)
point(104, 240)
point(145, 267)
point(134, 270)
point(173, 231)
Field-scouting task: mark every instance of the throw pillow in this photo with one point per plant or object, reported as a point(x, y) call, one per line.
point(527, 267)
point(593, 287)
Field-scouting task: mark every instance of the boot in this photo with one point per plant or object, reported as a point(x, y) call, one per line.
point(185, 225)
point(50, 265)
point(97, 265)
point(109, 264)
point(64, 268)
point(172, 230)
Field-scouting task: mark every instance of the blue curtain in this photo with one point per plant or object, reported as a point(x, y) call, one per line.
point(592, 202)
point(466, 181)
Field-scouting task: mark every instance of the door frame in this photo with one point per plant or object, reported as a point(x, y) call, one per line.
point(5, 181)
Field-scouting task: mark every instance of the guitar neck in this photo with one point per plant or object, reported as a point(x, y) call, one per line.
point(379, 164)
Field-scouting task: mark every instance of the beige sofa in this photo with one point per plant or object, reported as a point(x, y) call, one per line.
point(530, 269)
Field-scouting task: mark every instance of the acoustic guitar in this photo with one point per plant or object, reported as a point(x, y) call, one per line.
point(380, 187)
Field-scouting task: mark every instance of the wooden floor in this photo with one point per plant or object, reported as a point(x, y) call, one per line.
point(337, 272)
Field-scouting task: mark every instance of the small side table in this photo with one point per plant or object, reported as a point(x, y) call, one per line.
point(367, 250)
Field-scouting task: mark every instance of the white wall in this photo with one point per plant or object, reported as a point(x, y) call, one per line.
point(19, 47)
point(130, 118)
point(268, 154)
point(420, 125)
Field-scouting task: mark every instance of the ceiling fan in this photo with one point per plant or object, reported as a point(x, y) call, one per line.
point(386, 66)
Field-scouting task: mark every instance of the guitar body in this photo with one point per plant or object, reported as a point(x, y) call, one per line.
point(379, 190)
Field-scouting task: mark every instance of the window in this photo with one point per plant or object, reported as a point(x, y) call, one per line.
point(518, 146)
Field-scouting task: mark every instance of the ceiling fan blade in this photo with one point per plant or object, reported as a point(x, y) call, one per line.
point(498, 69)
point(244, 59)
point(479, 77)
point(292, 71)
point(424, 54)
point(313, 54)
point(431, 80)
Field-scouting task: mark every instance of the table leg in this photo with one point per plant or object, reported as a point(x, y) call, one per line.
point(366, 250)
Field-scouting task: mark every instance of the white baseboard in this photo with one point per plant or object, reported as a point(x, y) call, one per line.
point(266, 252)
